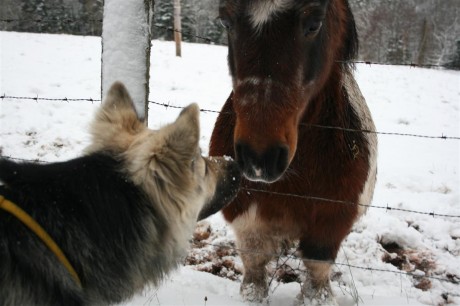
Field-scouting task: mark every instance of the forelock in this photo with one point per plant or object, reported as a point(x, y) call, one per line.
point(263, 10)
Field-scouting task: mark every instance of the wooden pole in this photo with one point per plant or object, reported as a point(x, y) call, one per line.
point(177, 27)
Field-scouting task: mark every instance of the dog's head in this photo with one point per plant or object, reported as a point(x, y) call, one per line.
point(166, 163)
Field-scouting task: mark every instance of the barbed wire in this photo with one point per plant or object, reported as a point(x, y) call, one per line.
point(189, 34)
point(209, 40)
point(168, 105)
point(50, 19)
point(387, 208)
point(410, 64)
point(37, 98)
point(383, 133)
point(334, 127)
point(334, 201)
point(454, 279)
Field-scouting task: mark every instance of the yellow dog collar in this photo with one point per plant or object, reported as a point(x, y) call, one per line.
point(40, 232)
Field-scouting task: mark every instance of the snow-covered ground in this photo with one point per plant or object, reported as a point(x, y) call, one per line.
point(416, 174)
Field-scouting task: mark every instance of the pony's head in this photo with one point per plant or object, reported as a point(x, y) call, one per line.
point(281, 55)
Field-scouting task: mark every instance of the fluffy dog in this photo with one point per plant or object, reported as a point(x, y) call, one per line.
point(122, 213)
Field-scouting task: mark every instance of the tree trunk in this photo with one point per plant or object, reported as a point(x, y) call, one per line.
point(423, 42)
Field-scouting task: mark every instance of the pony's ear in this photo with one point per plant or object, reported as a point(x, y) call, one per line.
point(118, 100)
point(184, 134)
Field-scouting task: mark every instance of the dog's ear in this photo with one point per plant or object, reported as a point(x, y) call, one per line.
point(168, 153)
point(116, 123)
point(118, 109)
point(184, 133)
point(119, 100)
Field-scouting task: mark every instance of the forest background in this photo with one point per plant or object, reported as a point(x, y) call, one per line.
point(421, 32)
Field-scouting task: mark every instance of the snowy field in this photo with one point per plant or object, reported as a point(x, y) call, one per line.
point(416, 174)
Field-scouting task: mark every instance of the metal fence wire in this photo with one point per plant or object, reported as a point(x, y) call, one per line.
point(168, 105)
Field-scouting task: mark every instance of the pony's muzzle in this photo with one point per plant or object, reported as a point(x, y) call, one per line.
point(267, 166)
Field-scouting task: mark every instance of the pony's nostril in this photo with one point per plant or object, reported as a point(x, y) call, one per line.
point(240, 154)
point(267, 166)
point(276, 160)
point(283, 159)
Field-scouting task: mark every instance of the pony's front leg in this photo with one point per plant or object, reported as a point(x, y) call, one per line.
point(316, 286)
point(318, 259)
point(256, 250)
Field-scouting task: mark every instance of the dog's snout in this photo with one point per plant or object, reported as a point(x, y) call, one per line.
point(228, 183)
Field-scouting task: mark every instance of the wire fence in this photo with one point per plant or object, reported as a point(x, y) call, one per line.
point(318, 200)
point(48, 20)
point(168, 105)
point(341, 202)
point(454, 279)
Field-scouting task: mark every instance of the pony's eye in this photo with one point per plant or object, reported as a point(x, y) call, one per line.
point(225, 23)
point(311, 26)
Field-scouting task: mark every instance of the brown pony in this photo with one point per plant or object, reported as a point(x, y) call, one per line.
point(290, 65)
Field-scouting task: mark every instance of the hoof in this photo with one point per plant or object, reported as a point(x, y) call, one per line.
point(322, 296)
point(254, 293)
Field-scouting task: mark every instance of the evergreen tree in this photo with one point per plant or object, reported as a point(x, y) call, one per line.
point(454, 63)
point(189, 27)
point(395, 51)
point(31, 10)
point(91, 13)
point(216, 32)
point(163, 20)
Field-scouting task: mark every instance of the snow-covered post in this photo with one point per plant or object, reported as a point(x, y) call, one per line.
point(126, 41)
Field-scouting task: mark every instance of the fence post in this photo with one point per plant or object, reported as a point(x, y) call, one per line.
point(126, 41)
point(177, 27)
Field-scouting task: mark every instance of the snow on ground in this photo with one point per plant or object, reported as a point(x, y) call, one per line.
point(414, 173)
